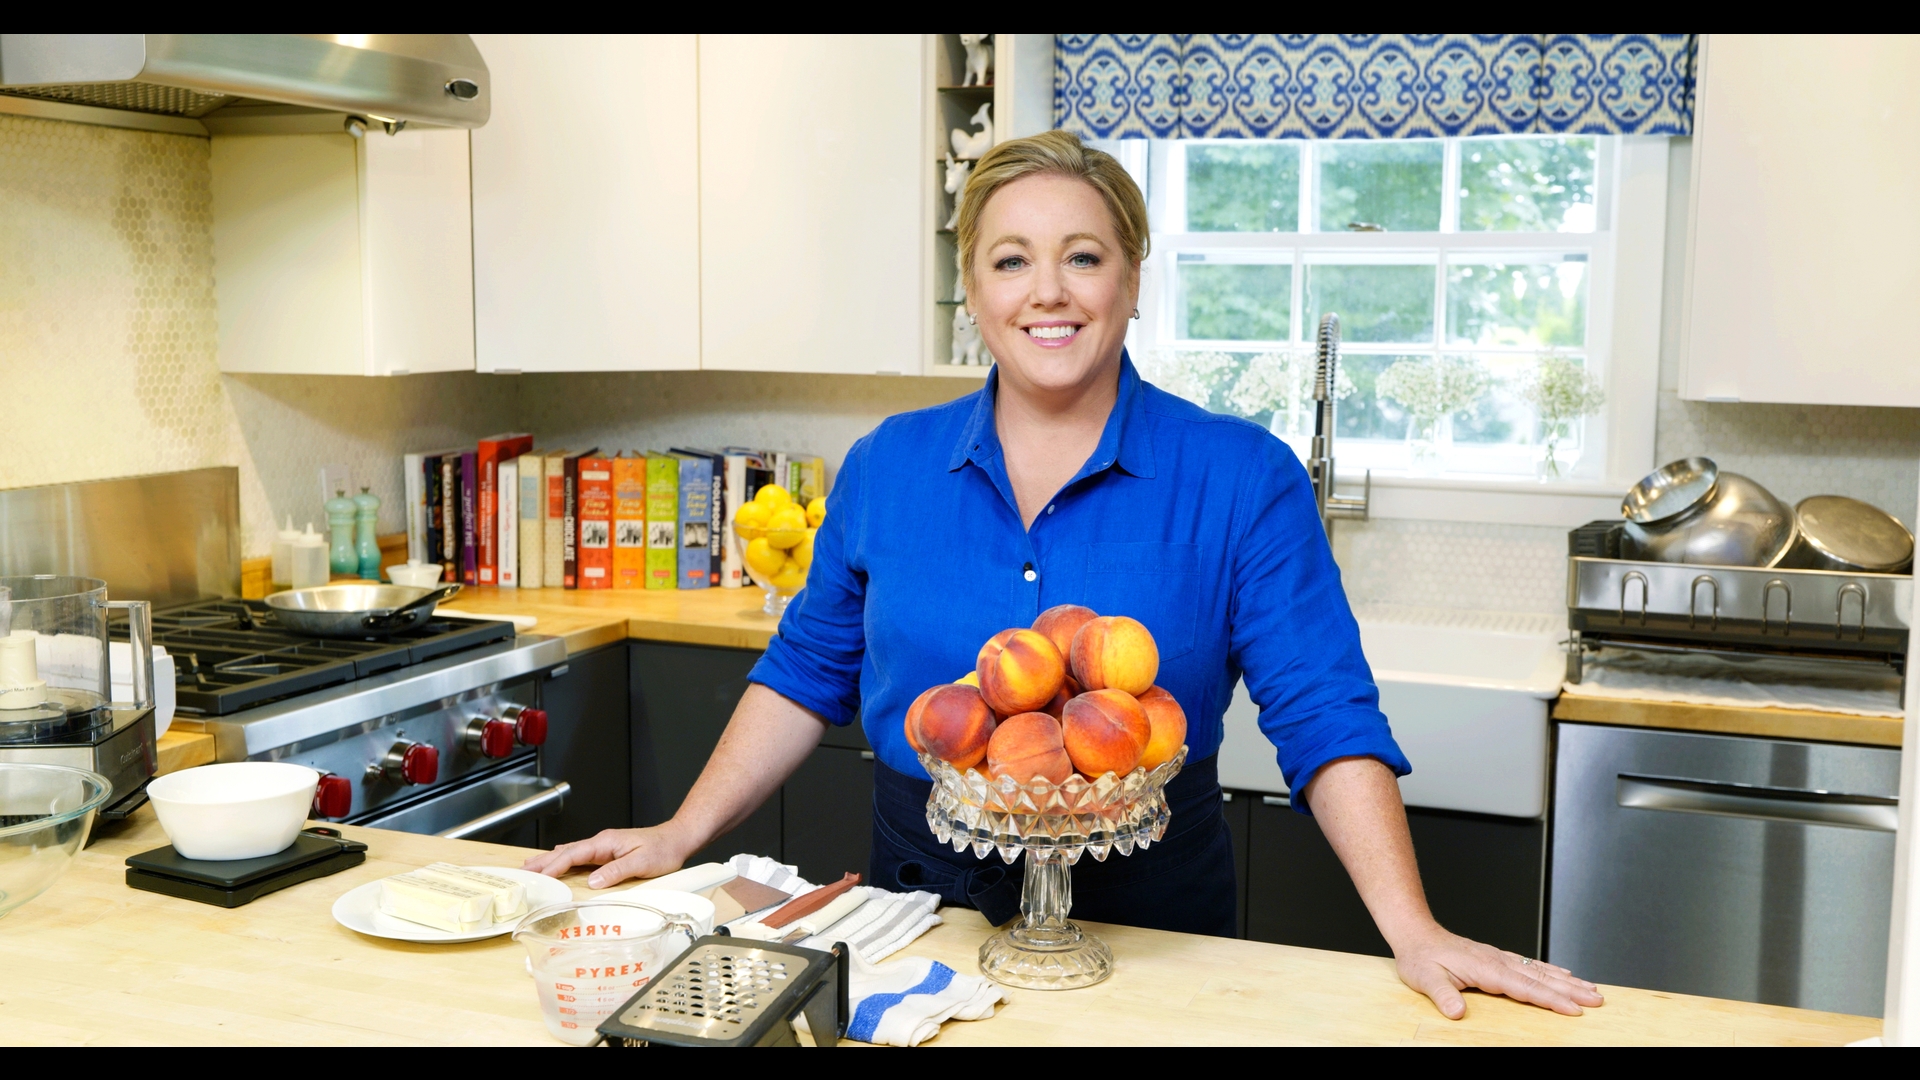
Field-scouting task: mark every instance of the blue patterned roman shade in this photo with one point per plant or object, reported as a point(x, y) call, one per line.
point(1371, 86)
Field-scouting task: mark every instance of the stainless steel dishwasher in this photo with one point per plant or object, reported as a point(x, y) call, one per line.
point(1753, 869)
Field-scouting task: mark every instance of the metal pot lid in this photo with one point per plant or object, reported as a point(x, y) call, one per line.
point(1854, 532)
point(1670, 490)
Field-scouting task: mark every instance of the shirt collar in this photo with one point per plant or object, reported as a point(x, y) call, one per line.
point(1125, 441)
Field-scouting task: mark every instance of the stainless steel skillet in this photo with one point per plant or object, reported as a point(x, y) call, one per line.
point(352, 610)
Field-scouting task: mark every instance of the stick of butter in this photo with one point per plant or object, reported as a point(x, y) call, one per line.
point(436, 902)
point(509, 897)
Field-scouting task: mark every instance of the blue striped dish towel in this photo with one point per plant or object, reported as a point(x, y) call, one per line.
point(903, 1003)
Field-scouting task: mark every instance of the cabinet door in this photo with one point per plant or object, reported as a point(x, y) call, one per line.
point(1236, 808)
point(810, 202)
point(827, 812)
point(585, 204)
point(1800, 272)
point(681, 699)
point(587, 745)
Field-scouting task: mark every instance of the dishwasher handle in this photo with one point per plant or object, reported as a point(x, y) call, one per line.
point(539, 804)
point(1794, 805)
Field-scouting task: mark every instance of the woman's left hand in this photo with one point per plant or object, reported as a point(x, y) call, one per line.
point(1440, 964)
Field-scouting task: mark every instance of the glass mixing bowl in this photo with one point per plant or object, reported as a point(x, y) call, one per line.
point(46, 812)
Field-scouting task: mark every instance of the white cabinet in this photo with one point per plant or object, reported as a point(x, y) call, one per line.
point(586, 203)
point(341, 256)
point(1801, 276)
point(811, 181)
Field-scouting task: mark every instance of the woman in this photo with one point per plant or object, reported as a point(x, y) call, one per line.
point(1068, 480)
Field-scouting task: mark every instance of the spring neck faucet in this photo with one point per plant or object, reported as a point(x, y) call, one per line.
point(1320, 459)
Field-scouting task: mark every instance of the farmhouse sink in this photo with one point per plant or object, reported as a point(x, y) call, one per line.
point(1467, 695)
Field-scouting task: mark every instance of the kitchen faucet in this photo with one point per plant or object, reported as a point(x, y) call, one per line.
point(1320, 462)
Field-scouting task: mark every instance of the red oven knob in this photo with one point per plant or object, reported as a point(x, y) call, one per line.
point(496, 738)
point(420, 764)
point(334, 797)
point(530, 728)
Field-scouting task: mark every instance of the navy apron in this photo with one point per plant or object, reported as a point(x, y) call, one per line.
point(1184, 882)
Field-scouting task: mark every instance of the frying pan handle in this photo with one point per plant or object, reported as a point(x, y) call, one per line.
point(376, 622)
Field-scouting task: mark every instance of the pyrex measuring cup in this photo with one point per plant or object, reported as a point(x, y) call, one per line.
point(589, 956)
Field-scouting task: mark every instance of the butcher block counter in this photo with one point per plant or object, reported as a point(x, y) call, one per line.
point(92, 961)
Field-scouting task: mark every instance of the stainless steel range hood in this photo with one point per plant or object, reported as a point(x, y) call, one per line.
point(391, 79)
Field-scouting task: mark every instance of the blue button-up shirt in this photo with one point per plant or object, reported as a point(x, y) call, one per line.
point(1199, 525)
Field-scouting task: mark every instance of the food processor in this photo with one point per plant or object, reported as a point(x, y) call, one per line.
point(56, 688)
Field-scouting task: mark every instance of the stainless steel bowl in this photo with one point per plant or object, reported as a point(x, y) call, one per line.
point(353, 610)
point(1691, 511)
point(1838, 533)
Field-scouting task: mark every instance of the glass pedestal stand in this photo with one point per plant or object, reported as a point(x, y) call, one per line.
point(1053, 825)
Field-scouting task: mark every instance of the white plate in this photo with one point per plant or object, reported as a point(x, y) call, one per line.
point(359, 910)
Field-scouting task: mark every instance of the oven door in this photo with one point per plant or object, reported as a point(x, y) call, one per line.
point(500, 807)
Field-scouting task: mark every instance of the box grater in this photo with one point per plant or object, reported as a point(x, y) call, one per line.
point(724, 991)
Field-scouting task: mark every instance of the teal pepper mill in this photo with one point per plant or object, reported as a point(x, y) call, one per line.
point(341, 558)
point(366, 514)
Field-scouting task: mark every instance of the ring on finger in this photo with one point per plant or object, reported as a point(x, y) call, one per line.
point(1526, 962)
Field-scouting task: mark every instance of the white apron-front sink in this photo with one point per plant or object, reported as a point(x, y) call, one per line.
point(1467, 695)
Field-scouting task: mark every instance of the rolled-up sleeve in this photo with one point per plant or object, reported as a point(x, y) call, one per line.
point(815, 657)
point(1294, 636)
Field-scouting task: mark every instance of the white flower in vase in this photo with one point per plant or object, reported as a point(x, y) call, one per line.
point(1432, 391)
point(1561, 390)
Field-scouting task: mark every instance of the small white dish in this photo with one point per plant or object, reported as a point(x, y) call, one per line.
point(698, 909)
point(358, 910)
point(419, 574)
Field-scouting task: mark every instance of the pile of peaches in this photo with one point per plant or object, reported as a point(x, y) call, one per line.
point(1072, 694)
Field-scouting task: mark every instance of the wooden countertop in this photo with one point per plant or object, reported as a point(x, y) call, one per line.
point(1731, 720)
point(92, 961)
point(730, 618)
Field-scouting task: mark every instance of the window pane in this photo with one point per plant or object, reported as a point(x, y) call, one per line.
point(1527, 185)
point(1499, 416)
point(1251, 188)
point(1234, 301)
point(1526, 304)
point(1364, 414)
point(1391, 184)
point(1375, 303)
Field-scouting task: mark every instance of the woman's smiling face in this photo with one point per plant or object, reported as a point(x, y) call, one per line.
point(1052, 287)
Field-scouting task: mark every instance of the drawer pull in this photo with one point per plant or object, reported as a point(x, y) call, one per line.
point(1275, 800)
point(1873, 812)
point(866, 755)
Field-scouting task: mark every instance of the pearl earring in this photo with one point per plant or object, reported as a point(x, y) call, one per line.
point(972, 318)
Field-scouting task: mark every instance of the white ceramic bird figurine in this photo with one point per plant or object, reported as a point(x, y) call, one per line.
point(956, 180)
point(979, 59)
point(966, 339)
point(973, 144)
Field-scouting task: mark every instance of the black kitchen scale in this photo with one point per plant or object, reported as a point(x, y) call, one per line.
point(315, 853)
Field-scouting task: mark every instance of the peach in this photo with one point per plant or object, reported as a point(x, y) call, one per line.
point(1105, 731)
point(1027, 747)
point(1068, 691)
point(1020, 671)
point(952, 723)
point(1167, 724)
point(1061, 622)
point(1113, 652)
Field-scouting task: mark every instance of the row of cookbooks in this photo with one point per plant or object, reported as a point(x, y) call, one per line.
point(501, 513)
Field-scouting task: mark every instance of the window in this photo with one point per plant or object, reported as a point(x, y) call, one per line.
point(1455, 265)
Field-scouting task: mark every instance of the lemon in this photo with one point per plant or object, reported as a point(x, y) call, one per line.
point(971, 678)
point(786, 526)
point(772, 495)
point(791, 576)
point(752, 515)
point(816, 512)
point(764, 560)
point(802, 552)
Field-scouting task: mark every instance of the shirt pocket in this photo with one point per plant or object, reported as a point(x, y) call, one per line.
point(1156, 583)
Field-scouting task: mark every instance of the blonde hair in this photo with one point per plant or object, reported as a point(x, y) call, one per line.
point(1056, 153)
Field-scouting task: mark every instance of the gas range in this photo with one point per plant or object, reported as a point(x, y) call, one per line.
point(430, 730)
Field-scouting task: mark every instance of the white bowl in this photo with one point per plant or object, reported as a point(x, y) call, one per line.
point(238, 810)
point(419, 575)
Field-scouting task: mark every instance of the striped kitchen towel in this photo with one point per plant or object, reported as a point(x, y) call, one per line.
point(886, 923)
point(905, 1002)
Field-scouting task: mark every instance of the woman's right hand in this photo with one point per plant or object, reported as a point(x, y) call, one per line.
point(620, 854)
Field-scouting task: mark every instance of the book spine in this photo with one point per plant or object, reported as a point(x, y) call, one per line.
point(469, 518)
point(486, 503)
point(716, 521)
point(507, 476)
point(430, 467)
point(696, 521)
point(553, 517)
point(413, 483)
point(569, 522)
point(595, 510)
point(533, 533)
point(629, 522)
point(450, 517)
point(663, 518)
point(777, 461)
point(733, 489)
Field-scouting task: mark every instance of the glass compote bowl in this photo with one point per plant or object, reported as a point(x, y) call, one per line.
point(1054, 824)
point(777, 597)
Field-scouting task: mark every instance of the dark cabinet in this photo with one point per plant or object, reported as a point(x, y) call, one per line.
point(1483, 875)
point(827, 814)
point(587, 746)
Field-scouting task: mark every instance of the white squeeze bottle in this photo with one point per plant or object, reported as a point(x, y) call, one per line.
point(283, 555)
point(310, 555)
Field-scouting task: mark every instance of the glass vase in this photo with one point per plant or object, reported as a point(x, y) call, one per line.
point(1429, 445)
